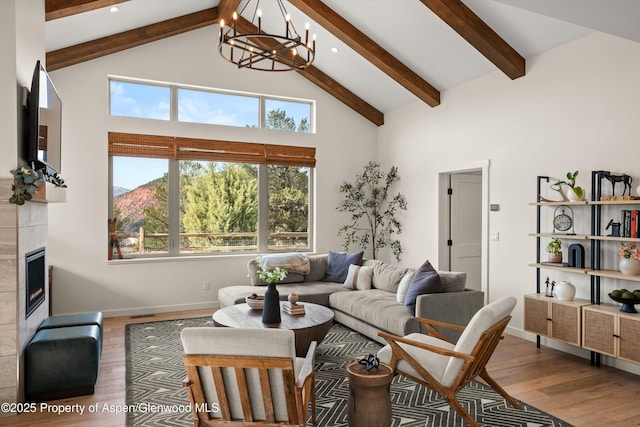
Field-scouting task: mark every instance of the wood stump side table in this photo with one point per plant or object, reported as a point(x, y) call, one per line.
point(369, 401)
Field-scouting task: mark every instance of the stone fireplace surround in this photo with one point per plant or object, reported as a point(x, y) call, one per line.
point(23, 229)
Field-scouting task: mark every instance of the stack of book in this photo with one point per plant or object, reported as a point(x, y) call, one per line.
point(292, 309)
point(630, 226)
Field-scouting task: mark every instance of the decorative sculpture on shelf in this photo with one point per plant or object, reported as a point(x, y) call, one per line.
point(615, 228)
point(546, 291)
point(614, 179)
point(576, 255)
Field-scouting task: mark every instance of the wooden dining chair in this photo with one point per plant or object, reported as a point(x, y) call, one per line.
point(446, 367)
point(247, 377)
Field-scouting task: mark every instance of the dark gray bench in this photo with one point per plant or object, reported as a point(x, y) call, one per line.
point(66, 320)
point(62, 362)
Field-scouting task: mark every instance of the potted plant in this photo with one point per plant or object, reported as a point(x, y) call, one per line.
point(373, 210)
point(576, 193)
point(25, 185)
point(27, 181)
point(554, 248)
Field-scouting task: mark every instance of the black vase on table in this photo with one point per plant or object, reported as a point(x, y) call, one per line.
point(271, 308)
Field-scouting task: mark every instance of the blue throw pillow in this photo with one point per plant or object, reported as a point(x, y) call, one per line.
point(338, 265)
point(425, 281)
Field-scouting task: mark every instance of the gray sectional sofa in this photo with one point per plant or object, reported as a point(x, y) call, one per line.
point(372, 310)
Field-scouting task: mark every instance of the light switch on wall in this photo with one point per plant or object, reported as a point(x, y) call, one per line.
point(495, 236)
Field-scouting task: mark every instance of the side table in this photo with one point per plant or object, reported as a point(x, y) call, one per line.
point(369, 401)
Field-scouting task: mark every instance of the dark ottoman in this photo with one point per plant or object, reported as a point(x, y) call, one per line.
point(65, 320)
point(62, 362)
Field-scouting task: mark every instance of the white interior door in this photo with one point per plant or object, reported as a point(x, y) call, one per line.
point(465, 250)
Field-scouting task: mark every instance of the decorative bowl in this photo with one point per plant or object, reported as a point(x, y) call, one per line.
point(627, 303)
point(255, 302)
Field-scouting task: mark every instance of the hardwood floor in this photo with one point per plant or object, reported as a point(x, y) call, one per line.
point(561, 384)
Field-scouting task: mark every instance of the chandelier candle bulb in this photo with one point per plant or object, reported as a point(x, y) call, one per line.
point(235, 23)
point(221, 29)
point(259, 20)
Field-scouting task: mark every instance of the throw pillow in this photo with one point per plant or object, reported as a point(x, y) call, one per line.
point(387, 276)
point(403, 287)
point(338, 265)
point(425, 281)
point(358, 277)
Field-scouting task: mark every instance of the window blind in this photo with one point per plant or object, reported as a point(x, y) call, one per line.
point(178, 148)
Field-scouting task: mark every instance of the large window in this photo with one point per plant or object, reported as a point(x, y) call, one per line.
point(208, 106)
point(177, 196)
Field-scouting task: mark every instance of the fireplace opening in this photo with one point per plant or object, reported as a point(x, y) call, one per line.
point(35, 280)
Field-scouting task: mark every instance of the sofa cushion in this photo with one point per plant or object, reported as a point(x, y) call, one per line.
point(425, 281)
point(386, 276)
point(318, 264)
point(375, 307)
point(453, 281)
point(358, 277)
point(403, 286)
point(338, 265)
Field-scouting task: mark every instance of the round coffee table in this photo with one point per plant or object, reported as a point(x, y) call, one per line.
point(312, 326)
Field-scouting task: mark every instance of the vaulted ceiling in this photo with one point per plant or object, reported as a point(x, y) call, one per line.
point(389, 52)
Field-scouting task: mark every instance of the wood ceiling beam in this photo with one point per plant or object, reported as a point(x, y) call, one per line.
point(477, 33)
point(55, 9)
point(368, 49)
point(323, 81)
point(118, 42)
point(226, 9)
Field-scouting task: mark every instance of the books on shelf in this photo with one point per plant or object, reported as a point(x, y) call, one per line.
point(629, 223)
point(293, 309)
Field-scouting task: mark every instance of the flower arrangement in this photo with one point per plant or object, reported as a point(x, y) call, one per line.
point(629, 251)
point(270, 275)
point(27, 181)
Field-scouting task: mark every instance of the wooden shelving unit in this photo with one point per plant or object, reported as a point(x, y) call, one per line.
point(601, 328)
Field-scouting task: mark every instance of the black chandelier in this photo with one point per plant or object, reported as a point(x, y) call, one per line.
point(258, 50)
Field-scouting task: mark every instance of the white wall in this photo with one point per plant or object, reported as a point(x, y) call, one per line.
point(83, 280)
point(576, 109)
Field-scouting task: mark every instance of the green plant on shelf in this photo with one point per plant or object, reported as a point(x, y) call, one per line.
point(27, 181)
point(25, 185)
point(571, 182)
point(555, 246)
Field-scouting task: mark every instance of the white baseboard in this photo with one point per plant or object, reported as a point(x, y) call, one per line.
point(576, 351)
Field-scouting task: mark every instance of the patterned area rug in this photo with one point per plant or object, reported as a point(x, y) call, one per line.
point(155, 396)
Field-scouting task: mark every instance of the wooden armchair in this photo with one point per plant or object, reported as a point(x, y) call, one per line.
point(444, 367)
point(247, 377)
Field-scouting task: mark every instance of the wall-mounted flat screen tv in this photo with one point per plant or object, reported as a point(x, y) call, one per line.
point(43, 146)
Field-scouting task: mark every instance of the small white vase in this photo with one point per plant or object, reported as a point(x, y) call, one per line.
point(572, 196)
point(565, 291)
point(630, 267)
